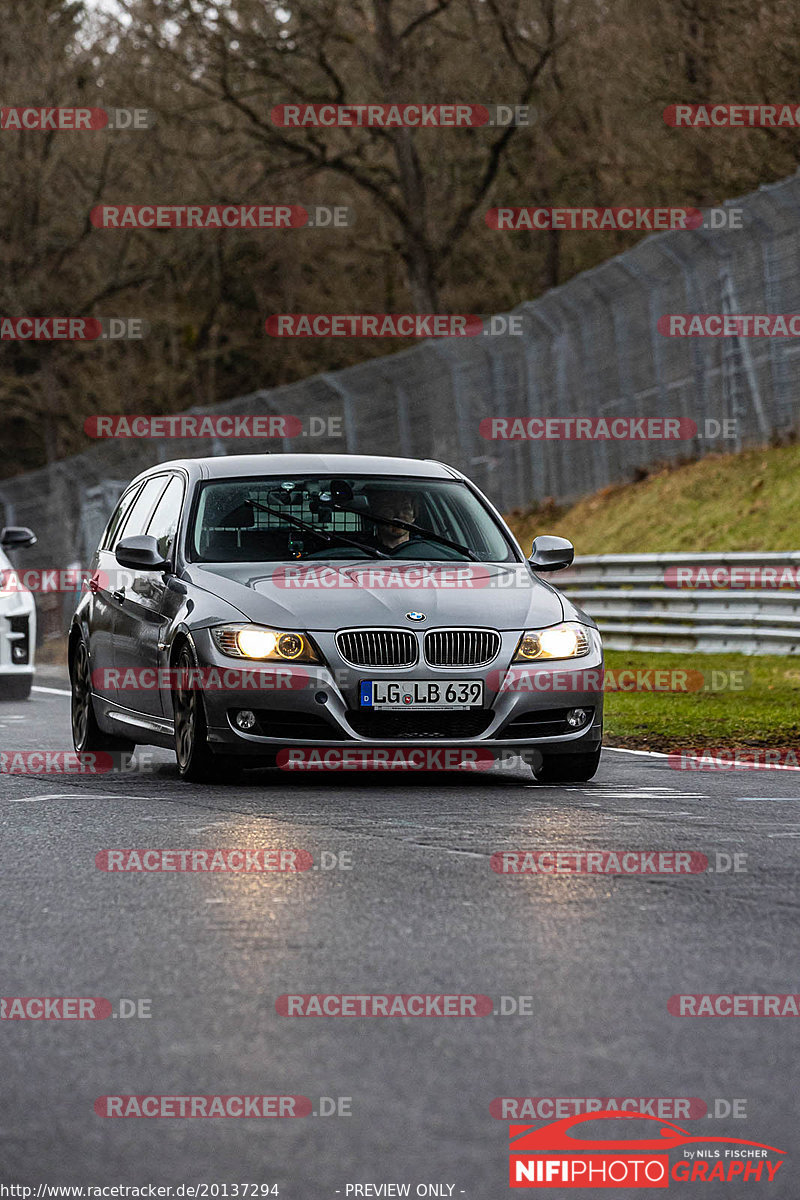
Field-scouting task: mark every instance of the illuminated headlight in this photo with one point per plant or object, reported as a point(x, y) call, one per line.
point(257, 642)
point(568, 640)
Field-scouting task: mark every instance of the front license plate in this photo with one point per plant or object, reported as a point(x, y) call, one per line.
point(421, 693)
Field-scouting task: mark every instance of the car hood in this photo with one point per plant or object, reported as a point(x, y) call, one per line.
point(336, 595)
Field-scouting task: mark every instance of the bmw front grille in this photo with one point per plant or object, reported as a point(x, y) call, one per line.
point(378, 647)
point(461, 647)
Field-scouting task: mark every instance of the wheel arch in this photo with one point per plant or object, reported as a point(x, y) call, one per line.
point(183, 637)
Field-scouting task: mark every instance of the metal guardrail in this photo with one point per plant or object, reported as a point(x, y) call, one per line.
point(636, 609)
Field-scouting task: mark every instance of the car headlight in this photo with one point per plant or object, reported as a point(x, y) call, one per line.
point(258, 642)
point(568, 640)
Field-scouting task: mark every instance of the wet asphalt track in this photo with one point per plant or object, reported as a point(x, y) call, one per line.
point(420, 910)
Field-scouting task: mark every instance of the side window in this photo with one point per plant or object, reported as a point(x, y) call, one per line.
point(119, 514)
point(164, 521)
point(144, 504)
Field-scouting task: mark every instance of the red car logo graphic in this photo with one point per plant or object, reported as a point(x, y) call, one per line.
point(556, 1136)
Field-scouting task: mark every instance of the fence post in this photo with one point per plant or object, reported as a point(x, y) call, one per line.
point(341, 391)
point(403, 419)
point(651, 282)
point(785, 196)
point(700, 368)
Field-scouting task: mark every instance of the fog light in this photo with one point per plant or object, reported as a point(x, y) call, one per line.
point(18, 653)
point(245, 719)
point(577, 717)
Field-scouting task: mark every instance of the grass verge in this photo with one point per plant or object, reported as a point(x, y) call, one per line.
point(745, 501)
point(750, 701)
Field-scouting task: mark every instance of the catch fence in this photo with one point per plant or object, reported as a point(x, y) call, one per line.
point(590, 348)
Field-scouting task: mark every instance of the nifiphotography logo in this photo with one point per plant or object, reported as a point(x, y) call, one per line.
point(561, 1155)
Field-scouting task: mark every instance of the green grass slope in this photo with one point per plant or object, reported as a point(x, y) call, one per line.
point(748, 501)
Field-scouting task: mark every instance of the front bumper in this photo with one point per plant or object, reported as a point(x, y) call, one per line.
point(318, 705)
point(17, 634)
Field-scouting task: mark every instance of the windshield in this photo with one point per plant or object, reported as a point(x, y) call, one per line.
point(282, 519)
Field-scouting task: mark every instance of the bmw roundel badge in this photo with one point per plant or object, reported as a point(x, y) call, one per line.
point(415, 616)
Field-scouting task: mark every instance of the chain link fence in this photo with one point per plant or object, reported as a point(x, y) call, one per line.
point(590, 348)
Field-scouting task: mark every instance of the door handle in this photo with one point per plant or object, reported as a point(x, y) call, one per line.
point(120, 595)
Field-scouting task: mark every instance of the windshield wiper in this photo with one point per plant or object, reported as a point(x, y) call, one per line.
point(327, 535)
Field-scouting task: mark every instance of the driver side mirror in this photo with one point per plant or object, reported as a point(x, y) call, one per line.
point(16, 537)
point(140, 553)
point(550, 553)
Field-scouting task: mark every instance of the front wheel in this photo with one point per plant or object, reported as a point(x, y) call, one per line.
point(196, 762)
point(567, 768)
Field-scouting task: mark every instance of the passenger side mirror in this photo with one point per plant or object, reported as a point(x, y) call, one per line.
point(550, 553)
point(140, 553)
point(15, 537)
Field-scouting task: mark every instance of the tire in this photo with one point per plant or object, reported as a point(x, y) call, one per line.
point(567, 768)
point(196, 761)
point(15, 687)
point(87, 736)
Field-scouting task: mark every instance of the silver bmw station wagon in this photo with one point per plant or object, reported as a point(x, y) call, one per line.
point(251, 610)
